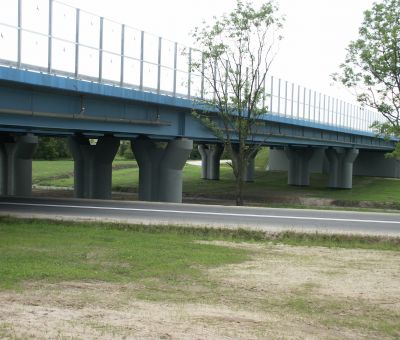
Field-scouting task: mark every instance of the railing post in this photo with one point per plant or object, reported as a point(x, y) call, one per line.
point(141, 59)
point(159, 65)
point(271, 100)
point(202, 76)
point(329, 110)
point(264, 93)
point(324, 109)
point(315, 106)
point(309, 104)
point(304, 103)
point(101, 50)
point(285, 110)
point(175, 66)
point(49, 48)
point(337, 113)
point(121, 79)
point(19, 52)
point(189, 72)
point(319, 107)
point(279, 96)
point(292, 100)
point(298, 101)
point(77, 19)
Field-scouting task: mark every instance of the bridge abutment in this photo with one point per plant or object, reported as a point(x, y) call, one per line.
point(160, 170)
point(210, 160)
point(93, 166)
point(341, 167)
point(374, 163)
point(16, 165)
point(299, 165)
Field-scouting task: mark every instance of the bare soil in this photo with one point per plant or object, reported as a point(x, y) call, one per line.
point(282, 292)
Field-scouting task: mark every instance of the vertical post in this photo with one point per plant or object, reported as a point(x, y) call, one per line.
point(309, 104)
point(304, 103)
point(264, 93)
point(324, 109)
point(315, 105)
point(101, 50)
point(122, 55)
point(279, 96)
point(337, 105)
point(159, 64)
point(202, 76)
point(19, 52)
point(292, 99)
point(285, 112)
point(77, 19)
point(141, 59)
point(319, 108)
point(298, 101)
point(272, 95)
point(329, 107)
point(175, 66)
point(49, 48)
point(189, 72)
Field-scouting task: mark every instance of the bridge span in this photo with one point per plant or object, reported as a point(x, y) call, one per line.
point(66, 72)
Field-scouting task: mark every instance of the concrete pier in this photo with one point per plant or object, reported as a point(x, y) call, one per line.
point(210, 159)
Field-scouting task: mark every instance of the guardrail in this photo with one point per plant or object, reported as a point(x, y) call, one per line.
point(53, 37)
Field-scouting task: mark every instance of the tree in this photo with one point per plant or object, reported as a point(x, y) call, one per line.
point(51, 148)
point(237, 51)
point(372, 65)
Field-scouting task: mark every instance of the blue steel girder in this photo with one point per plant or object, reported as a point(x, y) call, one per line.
point(49, 104)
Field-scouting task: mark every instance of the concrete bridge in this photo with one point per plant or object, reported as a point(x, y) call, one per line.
point(66, 72)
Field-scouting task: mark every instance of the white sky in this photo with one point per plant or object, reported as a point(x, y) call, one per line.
point(316, 32)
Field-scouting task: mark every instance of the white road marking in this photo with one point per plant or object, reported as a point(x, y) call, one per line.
point(200, 213)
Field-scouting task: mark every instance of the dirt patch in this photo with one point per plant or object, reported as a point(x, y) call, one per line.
point(282, 292)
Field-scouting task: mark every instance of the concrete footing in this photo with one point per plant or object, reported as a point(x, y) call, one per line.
point(93, 166)
point(16, 165)
point(160, 170)
point(299, 165)
point(210, 158)
point(341, 167)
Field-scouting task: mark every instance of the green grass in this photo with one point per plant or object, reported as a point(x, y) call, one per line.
point(35, 250)
point(386, 191)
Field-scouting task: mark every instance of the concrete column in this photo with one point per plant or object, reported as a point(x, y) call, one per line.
point(93, 166)
point(299, 165)
point(160, 170)
point(210, 158)
point(341, 167)
point(16, 165)
point(248, 175)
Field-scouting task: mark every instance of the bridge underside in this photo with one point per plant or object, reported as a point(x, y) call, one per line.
point(33, 104)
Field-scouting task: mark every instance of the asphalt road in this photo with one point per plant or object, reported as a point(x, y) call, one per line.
point(204, 215)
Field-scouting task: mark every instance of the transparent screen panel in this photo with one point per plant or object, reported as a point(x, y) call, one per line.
point(9, 12)
point(89, 30)
point(150, 52)
point(88, 62)
point(35, 15)
point(8, 43)
point(167, 80)
point(167, 53)
point(182, 58)
point(64, 22)
point(182, 83)
point(63, 56)
point(111, 37)
point(150, 72)
point(111, 67)
point(34, 49)
point(132, 72)
point(132, 43)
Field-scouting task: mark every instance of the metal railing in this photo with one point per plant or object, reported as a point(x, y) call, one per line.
point(52, 37)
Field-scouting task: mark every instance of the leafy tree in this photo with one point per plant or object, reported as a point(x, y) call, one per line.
point(237, 51)
point(51, 148)
point(372, 65)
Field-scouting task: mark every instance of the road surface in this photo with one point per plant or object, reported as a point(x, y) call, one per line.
point(205, 215)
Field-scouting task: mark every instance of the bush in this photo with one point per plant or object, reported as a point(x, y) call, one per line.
point(51, 148)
